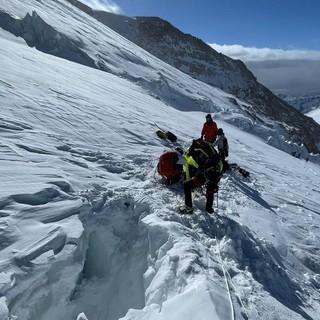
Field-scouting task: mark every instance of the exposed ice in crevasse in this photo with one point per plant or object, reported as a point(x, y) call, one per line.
point(115, 262)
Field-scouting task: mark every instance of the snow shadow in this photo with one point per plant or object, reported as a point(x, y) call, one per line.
point(42, 197)
point(251, 193)
point(262, 261)
point(12, 125)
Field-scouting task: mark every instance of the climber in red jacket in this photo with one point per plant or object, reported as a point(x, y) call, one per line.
point(209, 130)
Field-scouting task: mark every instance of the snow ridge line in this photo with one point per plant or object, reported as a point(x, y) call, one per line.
point(225, 272)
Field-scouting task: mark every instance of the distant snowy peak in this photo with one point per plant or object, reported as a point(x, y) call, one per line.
point(315, 114)
point(304, 103)
point(308, 104)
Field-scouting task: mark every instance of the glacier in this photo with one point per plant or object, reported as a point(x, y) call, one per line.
point(86, 229)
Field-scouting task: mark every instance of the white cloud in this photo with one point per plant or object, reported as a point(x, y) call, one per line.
point(104, 5)
point(262, 54)
point(293, 72)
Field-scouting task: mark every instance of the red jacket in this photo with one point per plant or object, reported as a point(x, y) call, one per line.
point(209, 131)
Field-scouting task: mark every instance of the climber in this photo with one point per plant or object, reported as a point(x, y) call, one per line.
point(209, 168)
point(209, 129)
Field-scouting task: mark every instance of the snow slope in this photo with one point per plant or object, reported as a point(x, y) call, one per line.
point(58, 28)
point(87, 231)
point(315, 114)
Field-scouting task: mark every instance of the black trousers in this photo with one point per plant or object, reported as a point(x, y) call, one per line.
point(195, 182)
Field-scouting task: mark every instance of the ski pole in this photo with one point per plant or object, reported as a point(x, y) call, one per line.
point(217, 199)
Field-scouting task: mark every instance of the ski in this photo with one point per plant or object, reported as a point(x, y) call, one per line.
point(165, 135)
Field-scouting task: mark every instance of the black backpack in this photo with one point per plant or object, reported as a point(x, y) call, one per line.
point(166, 135)
point(224, 152)
point(203, 153)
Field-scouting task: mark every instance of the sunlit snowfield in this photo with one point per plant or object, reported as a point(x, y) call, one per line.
point(85, 225)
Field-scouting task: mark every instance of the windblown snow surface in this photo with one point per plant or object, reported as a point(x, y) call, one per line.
point(88, 232)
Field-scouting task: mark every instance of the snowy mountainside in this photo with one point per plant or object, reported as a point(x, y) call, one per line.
point(194, 57)
point(56, 20)
point(59, 28)
point(87, 231)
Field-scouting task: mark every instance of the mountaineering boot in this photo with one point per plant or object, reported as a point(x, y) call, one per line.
point(209, 203)
point(209, 210)
point(186, 209)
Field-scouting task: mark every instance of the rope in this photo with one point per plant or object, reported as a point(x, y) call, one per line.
point(239, 297)
point(225, 272)
point(197, 236)
point(228, 282)
point(227, 277)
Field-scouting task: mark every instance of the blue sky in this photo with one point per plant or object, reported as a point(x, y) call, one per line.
point(255, 31)
point(278, 24)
